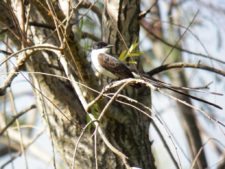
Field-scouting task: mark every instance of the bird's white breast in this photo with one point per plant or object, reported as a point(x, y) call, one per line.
point(97, 66)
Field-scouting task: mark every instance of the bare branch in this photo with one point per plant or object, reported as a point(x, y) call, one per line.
point(145, 25)
point(28, 143)
point(181, 65)
point(21, 61)
point(16, 117)
point(94, 8)
point(180, 38)
point(166, 145)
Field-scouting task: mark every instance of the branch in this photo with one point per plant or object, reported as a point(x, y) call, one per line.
point(28, 142)
point(165, 144)
point(182, 65)
point(162, 85)
point(204, 113)
point(47, 26)
point(145, 25)
point(5, 52)
point(90, 36)
point(111, 100)
point(180, 37)
point(144, 13)
point(16, 117)
point(20, 62)
point(42, 25)
point(95, 9)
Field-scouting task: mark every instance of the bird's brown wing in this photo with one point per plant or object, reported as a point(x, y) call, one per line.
point(114, 66)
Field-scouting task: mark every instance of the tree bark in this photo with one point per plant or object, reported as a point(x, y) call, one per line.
point(127, 128)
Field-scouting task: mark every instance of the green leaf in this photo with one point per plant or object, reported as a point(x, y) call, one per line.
point(123, 56)
point(132, 62)
point(131, 52)
point(135, 54)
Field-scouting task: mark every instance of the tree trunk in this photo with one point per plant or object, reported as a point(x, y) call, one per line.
point(126, 127)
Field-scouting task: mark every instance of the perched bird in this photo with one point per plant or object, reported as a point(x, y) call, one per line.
point(108, 65)
point(113, 68)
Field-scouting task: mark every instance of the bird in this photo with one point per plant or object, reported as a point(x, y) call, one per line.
point(113, 68)
point(107, 65)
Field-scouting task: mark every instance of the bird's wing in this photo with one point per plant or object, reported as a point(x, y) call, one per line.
point(114, 66)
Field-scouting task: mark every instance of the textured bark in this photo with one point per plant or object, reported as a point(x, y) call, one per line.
point(126, 128)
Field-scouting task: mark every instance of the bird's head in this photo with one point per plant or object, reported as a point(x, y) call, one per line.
point(102, 46)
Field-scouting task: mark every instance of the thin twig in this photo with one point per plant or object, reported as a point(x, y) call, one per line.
point(94, 8)
point(21, 61)
point(145, 25)
point(20, 153)
point(193, 107)
point(21, 141)
point(39, 47)
point(163, 85)
point(111, 100)
point(16, 117)
point(78, 141)
point(108, 144)
point(198, 154)
point(165, 144)
point(95, 150)
point(144, 13)
point(180, 38)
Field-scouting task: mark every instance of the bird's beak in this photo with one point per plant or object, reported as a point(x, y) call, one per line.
point(109, 46)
